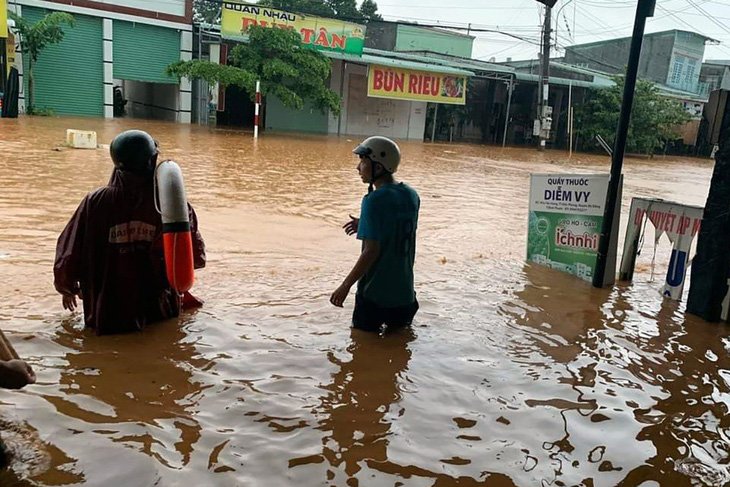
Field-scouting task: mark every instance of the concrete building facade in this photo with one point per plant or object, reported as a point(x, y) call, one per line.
point(715, 75)
point(402, 37)
point(115, 43)
point(361, 114)
point(672, 58)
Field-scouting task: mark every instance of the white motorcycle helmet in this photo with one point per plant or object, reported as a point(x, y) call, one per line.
point(382, 150)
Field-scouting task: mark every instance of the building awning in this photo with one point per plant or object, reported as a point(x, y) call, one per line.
point(393, 59)
point(397, 63)
point(599, 78)
point(455, 62)
point(670, 92)
point(566, 82)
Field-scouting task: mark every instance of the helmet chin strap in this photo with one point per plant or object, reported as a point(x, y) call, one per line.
point(374, 177)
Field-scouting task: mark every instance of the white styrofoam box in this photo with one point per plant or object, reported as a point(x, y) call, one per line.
point(81, 139)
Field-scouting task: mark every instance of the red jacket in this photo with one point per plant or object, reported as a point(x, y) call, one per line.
point(111, 251)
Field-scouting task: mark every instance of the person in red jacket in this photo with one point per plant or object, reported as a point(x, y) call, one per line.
point(111, 253)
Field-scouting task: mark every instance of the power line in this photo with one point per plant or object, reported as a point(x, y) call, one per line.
point(521, 9)
point(449, 7)
point(712, 19)
point(685, 23)
point(624, 29)
point(435, 24)
point(718, 3)
point(529, 34)
point(461, 25)
point(598, 21)
point(589, 58)
point(492, 40)
point(471, 29)
point(494, 54)
point(668, 13)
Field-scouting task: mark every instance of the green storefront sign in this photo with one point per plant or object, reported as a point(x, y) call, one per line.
point(319, 33)
point(566, 214)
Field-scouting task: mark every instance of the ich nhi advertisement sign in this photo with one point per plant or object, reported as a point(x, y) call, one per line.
point(406, 84)
point(317, 32)
point(566, 214)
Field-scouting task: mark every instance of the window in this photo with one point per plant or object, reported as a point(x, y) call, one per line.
point(677, 69)
point(689, 74)
point(710, 84)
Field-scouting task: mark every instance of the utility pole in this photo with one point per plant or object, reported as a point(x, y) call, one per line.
point(708, 291)
point(644, 9)
point(543, 115)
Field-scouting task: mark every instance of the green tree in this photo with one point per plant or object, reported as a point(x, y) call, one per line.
point(344, 9)
point(319, 8)
point(208, 11)
point(286, 68)
point(369, 10)
point(36, 37)
point(655, 119)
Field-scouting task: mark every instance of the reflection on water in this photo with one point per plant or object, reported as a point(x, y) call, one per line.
point(512, 374)
point(131, 386)
point(355, 410)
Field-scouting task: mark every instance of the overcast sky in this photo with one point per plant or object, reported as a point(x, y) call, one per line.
point(580, 21)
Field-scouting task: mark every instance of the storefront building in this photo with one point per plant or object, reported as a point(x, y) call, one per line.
point(390, 96)
point(381, 93)
point(393, 111)
point(116, 46)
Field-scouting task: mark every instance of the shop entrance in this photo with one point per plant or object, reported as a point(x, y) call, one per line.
point(239, 109)
point(140, 99)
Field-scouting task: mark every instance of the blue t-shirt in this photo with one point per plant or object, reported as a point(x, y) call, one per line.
point(390, 215)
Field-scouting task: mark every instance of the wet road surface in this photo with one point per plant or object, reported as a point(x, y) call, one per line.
point(511, 375)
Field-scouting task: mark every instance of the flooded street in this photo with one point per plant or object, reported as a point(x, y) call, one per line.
point(512, 375)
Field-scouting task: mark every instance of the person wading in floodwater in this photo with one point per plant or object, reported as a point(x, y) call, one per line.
point(14, 374)
point(387, 227)
point(111, 252)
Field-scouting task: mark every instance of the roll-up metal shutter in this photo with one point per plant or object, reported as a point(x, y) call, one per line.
point(69, 76)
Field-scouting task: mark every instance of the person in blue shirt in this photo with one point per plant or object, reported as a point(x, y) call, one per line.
point(387, 228)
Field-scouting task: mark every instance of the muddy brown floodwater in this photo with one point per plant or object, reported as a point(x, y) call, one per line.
point(511, 375)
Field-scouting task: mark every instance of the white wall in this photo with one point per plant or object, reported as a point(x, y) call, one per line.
point(18, 10)
point(95, 12)
point(725, 83)
point(335, 86)
point(694, 108)
point(172, 7)
point(108, 43)
point(185, 100)
point(417, 124)
point(362, 115)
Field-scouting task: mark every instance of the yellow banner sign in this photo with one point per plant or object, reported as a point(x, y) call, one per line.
point(3, 18)
point(10, 51)
point(405, 84)
point(317, 32)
